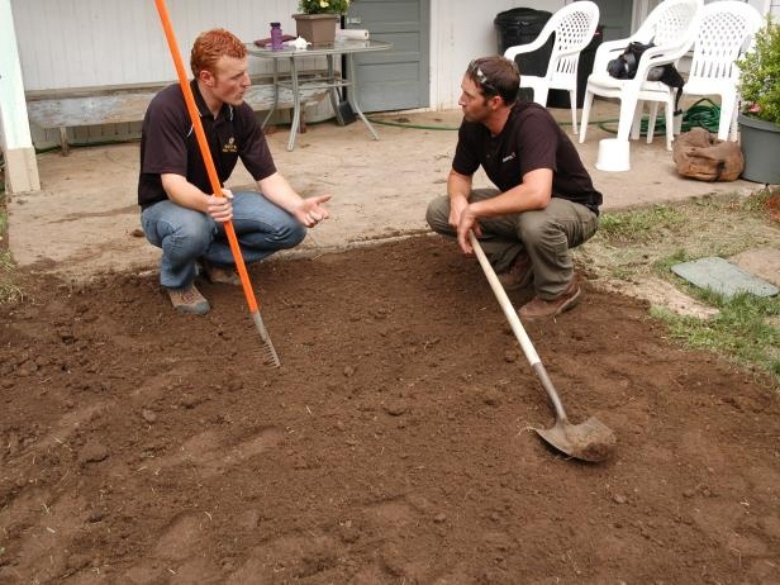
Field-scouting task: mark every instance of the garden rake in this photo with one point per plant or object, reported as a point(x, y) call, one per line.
point(269, 352)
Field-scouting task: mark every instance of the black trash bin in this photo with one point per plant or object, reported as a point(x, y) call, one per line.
point(559, 98)
point(520, 26)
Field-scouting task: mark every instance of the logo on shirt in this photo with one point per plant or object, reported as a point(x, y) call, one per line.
point(507, 158)
point(231, 146)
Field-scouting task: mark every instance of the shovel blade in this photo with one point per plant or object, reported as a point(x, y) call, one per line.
point(589, 441)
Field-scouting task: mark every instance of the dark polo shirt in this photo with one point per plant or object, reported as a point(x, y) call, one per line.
point(169, 144)
point(531, 139)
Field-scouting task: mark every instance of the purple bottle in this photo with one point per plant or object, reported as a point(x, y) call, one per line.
point(276, 36)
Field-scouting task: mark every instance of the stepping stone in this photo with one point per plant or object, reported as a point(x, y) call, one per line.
point(721, 276)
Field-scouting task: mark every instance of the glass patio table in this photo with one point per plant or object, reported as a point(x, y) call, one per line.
point(331, 83)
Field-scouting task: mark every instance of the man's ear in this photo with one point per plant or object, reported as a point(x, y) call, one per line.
point(207, 78)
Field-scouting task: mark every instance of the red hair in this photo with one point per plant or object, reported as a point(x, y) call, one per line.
point(210, 46)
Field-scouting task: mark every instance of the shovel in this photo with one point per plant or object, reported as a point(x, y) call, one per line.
point(589, 441)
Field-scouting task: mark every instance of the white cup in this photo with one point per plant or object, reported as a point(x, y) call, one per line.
point(614, 155)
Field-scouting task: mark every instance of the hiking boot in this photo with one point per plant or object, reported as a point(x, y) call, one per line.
point(188, 300)
point(518, 275)
point(539, 308)
point(220, 274)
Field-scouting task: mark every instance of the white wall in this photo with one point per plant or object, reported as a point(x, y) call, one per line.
point(76, 43)
point(66, 44)
point(460, 31)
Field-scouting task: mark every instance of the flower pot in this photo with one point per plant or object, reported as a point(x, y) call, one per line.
point(760, 141)
point(318, 29)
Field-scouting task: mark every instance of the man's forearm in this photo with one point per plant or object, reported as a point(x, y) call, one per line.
point(184, 193)
point(458, 186)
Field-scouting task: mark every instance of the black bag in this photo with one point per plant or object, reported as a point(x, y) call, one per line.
point(626, 64)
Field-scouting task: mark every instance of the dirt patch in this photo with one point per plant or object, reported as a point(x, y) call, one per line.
point(393, 446)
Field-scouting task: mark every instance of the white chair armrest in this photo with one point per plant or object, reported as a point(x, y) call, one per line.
point(512, 52)
point(657, 56)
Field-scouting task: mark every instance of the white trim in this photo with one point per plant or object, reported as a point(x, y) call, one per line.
point(15, 139)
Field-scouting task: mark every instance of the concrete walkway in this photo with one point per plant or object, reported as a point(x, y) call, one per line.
point(85, 220)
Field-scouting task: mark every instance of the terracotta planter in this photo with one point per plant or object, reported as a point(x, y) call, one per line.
point(760, 141)
point(318, 29)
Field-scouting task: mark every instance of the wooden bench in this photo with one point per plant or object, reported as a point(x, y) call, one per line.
point(123, 105)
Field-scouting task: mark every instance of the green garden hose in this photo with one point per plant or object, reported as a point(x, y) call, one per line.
point(699, 114)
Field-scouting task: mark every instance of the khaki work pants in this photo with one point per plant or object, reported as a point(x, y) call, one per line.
point(546, 235)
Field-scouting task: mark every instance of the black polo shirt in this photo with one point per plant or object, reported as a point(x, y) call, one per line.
point(169, 143)
point(530, 140)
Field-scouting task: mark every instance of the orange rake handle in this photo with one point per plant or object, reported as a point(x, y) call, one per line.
point(205, 151)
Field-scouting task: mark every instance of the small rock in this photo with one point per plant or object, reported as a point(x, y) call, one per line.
point(440, 517)
point(95, 516)
point(395, 408)
point(492, 397)
point(619, 499)
point(189, 401)
point(149, 415)
point(93, 453)
point(349, 371)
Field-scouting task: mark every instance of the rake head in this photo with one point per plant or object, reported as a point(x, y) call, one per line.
point(269, 354)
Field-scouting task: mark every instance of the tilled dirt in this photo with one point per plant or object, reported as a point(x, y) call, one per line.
point(394, 445)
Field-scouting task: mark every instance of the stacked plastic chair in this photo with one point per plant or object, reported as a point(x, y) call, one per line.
point(573, 26)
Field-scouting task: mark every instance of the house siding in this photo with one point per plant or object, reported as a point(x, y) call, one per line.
point(69, 44)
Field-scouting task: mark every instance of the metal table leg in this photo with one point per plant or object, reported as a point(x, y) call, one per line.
point(352, 95)
point(296, 104)
point(276, 96)
point(333, 91)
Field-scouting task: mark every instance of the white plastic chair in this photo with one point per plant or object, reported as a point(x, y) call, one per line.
point(573, 26)
point(725, 33)
point(672, 28)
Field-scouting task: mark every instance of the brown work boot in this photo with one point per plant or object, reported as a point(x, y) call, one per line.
point(220, 274)
point(188, 300)
point(518, 275)
point(539, 308)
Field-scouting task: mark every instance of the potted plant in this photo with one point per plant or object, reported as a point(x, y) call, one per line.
point(759, 120)
point(319, 19)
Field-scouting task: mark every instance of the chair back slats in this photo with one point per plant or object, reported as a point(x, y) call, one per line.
point(671, 21)
point(726, 29)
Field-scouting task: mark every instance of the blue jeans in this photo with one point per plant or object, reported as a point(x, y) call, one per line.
point(186, 235)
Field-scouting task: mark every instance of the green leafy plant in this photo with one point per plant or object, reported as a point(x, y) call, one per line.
point(323, 6)
point(760, 69)
point(9, 290)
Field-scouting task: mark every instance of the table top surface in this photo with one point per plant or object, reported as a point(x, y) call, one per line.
point(338, 47)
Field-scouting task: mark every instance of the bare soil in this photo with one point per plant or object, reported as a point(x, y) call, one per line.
point(394, 445)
